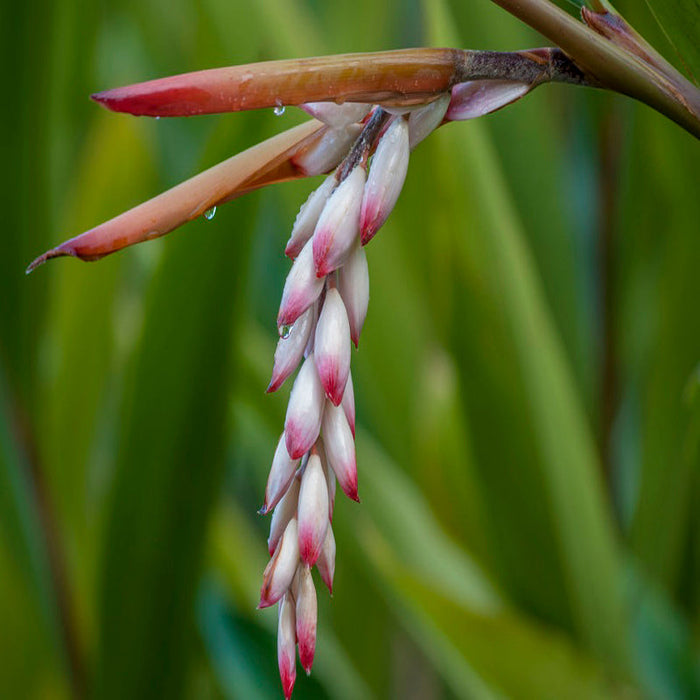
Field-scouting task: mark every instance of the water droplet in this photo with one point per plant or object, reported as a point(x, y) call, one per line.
point(284, 332)
point(279, 110)
point(209, 214)
point(157, 118)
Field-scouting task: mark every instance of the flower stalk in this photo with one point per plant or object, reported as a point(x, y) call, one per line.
point(612, 65)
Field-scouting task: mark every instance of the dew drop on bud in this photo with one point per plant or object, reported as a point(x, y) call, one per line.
point(279, 110)
point(209, 214)
point(284, 332)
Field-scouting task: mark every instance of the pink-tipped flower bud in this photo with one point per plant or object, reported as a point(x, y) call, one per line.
point(312, 510)
point(281, 475)
point(476, 98)
point(329, 151)
point(280, 570)
point(326, 560)
point(304, 411)
point(353, 285)
point(301, 288)
point(339, 224)
point(283, 513)
point(386, 177)
point(307, 218)
point(422, 122)
point(348, 404)
point(340, 448)
point(290, 349)
point(335, 115)
point(332, 346)
point(306, 616)
point(286, 644)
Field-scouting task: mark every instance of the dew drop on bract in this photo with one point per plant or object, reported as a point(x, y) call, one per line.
point(209, 214)
point(279, 110)
point(284, 332)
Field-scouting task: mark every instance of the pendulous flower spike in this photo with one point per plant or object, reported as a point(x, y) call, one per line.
point(332, 346)
point(386, 177)
point(305, 410)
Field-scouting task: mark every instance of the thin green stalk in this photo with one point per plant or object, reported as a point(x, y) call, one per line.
point(614, 67)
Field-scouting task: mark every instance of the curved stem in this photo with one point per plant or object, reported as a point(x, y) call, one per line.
point(612, 66)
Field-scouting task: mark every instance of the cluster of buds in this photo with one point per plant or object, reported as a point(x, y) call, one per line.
point(323, 308)
point(371, 111)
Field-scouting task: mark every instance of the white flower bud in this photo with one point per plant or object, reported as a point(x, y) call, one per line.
point(301, 288)
point(340, 448)
point(304, 411)
point(326, 560)
point(280, 570)
point(339, 224)
point(286, 644)
point(312, 510)
point(290, 349)
point(422, 122)
point(307, 218)
point(353, 285)
point(329, 151)
point(332, 346)
point(306, 617)
point(283, 513)
point(335, 115)
point(386, 177)
point(478, 97)
point(281, 475)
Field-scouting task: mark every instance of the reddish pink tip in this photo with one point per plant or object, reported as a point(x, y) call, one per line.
point(306, 657)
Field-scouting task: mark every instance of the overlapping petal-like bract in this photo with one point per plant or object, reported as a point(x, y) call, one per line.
point(305, 410)
point(339, 224)
point(386, 177)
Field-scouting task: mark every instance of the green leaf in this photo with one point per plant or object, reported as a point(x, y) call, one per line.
point(170, 463)
point(569, 465)
point(680, 21)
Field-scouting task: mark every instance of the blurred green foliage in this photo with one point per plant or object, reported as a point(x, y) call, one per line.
point(527, 383)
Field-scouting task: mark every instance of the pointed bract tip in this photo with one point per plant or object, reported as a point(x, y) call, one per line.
point(274, 384)
point(265, 603)
point(48, 255)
